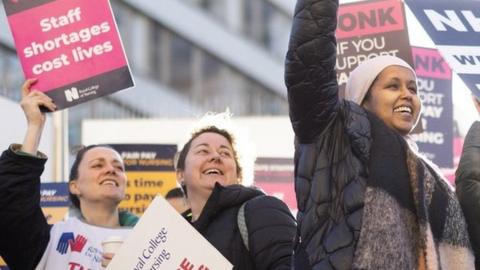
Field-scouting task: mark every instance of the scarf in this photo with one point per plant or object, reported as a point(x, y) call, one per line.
point(411, 217)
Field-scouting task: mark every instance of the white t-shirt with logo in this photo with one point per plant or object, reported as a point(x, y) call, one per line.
point(76, 245)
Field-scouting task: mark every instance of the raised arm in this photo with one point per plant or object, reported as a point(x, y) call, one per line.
point(31, 102)
point(24, 230)
point(310, 68)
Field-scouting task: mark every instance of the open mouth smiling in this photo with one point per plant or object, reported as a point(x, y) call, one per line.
point(213, 172)
point(109, 182)
point(403, 109)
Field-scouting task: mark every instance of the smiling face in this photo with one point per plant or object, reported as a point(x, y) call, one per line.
point(209, 160)
point(101, 177)
point(393, 98)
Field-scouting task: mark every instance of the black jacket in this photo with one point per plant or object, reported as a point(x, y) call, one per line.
point(24, 232)
point(271, 228)
point(333, 143)
point(468, 187)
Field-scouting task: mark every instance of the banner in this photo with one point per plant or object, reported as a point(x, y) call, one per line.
point(71, 46)
point(434, 80)
point(275, 176)
point(163, 239)
point(54, 201)
point(368, 29)
point(454, 28)
point(150, 171)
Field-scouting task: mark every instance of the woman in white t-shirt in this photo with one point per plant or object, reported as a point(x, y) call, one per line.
point(96, 184)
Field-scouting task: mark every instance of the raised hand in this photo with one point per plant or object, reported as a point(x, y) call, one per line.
point(30, 103)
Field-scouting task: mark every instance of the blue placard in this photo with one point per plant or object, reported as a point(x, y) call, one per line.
point(435, 90)
point(54, 195)
point(449, 22)
point(454, 27)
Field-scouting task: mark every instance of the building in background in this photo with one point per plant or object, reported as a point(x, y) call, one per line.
point(187, 57)
point(193, 56)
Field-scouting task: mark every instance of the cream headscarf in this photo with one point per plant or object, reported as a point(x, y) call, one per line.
point(362, 77)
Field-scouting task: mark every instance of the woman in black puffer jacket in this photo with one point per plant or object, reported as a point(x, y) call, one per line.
point(366, 199)
point(210, 171)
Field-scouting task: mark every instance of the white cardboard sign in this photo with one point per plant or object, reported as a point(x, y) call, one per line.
point(163, 239)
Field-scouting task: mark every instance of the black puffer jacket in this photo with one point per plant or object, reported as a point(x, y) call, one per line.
point(332, 143)
point(468, 187)
point(271, 228)
point(24, 232)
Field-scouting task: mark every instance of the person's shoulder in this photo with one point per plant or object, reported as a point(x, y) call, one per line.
point(263, 203)
point(472, 139)
point(268, 212)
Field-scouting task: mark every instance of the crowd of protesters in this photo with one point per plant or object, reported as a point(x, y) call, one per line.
point(367, 198)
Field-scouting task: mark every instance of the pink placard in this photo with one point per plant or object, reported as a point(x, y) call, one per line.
point(67, 41)
point(369, 18)
point(429, 63)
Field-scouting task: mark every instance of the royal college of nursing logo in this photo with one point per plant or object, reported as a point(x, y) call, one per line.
point(68, 239)
point(71, 94)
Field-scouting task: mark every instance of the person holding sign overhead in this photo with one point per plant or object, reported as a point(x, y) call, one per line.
point(97, 185)
point(366, 198)
point(250, 229)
